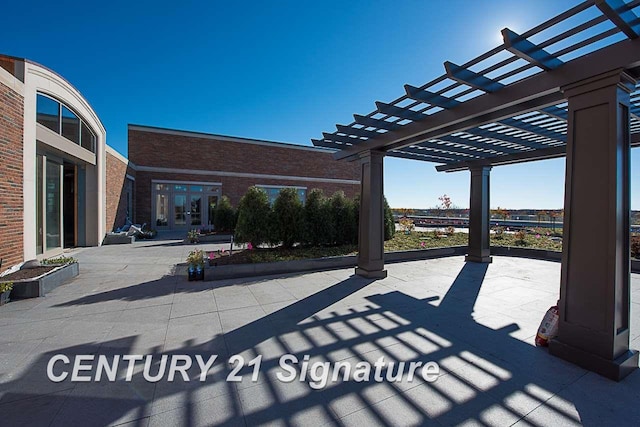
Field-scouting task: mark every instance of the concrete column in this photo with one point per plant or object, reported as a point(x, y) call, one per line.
point(479, 244)
point(371, 231)
point(594, 290)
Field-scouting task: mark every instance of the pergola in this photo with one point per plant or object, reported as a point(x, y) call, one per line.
point(567, 87)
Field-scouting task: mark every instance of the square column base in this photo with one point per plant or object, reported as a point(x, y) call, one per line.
point(375, 274)
point(613, 369)
point(482, 259)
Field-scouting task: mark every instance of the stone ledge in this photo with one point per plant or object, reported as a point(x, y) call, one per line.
point(40, 286)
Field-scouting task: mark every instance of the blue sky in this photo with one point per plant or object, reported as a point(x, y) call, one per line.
point(281, 70)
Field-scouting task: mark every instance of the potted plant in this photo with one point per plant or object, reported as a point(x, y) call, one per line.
point(5, 290)
point(195, 259)
point(193, 236)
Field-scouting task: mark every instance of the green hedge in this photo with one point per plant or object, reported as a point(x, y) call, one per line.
point(224, 216)
point(254, 218)
point(321, 221)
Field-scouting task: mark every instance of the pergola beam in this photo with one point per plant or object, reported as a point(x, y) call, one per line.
point(471, 79)
point(619, 13)
point(538, 91)
point(528, 156)
point(524, 49)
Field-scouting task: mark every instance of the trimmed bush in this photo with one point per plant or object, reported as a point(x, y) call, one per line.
point(288, 218)
point(389, 223)
point(635, 246)
point(254, 214)
point(343, 219)
point(224, 216)
point(318, 226)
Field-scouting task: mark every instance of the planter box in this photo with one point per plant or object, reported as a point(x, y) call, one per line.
point(39, 286)
point(317, 264)
point(118, 239)
point(514, 251)
point(213, 238)
point(4, 297)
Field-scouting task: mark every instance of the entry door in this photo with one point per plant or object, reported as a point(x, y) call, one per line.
point(195, 213)
point(180, 210)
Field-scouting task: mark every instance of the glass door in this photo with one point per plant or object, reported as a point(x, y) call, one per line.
point(53, 205)
point(195, 214)
point(180, 210)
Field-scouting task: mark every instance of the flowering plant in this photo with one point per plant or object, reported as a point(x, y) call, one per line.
point(406, 225)
point(5, 286)
point(193, 236)
point(196, 258)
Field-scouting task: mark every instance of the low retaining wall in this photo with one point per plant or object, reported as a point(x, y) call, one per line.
point(40, 286)
point(316, 264)
point(519, 252)
point(333, 263)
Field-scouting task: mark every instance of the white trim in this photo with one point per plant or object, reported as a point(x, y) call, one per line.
point(129, 177)
point(203, 135)
point(246, 175)
point(7, 79)
point(164, 181)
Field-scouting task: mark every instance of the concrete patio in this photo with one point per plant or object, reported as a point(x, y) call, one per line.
point(476, 320)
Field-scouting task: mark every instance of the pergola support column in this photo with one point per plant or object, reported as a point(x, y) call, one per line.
point(479, 244)
point(371, 225)
point(595, 282)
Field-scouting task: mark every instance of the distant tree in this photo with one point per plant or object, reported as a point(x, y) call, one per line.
point(500, 213)
point(541, 215)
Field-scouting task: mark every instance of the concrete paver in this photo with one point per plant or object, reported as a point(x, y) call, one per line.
point(476, 321)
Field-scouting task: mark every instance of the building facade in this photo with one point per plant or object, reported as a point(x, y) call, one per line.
point(180, 175)
point(52, 178)
point(61, 186)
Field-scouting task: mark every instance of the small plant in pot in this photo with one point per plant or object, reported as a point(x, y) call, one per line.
point(196, 265)
point(193, 236)
point(5, 290)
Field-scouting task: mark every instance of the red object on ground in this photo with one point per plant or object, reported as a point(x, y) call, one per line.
point(548, 328)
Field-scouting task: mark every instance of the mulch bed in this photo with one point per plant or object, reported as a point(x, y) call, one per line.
point(27, 273)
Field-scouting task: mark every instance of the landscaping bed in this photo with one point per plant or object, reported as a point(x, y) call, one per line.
point(31, 281)
point(28, 273)
point(399, 242)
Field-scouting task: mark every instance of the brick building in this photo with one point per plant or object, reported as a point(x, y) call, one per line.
point(180, 175)
point(62, 186)
point(52, 164)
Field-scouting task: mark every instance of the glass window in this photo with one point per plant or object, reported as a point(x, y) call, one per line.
point(52, 204)
point(39, 243)
point(162, 187)
point(273, 192)
point(70, 125)
point(180, 187)
point(88, 139)
point(162, 210)
point(196, 188)
point(48, 113)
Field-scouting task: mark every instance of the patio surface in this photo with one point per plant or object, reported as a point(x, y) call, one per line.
point(476, 321)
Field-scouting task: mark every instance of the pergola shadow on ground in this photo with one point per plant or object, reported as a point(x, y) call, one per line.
point(490, 375)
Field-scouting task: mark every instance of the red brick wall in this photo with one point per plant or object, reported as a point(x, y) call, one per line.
point(116, 195)
point(232, 187)
point(174, 151)
point(11, 176)
point(191, 152)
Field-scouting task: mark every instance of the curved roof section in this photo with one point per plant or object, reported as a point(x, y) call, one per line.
point(16, 66)
point(504, 106)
